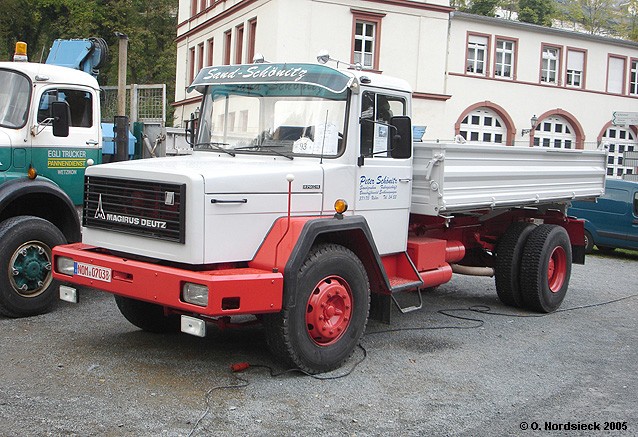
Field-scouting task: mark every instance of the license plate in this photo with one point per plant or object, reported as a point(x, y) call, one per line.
point(92, 272)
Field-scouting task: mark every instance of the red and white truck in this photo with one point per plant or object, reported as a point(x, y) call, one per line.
point(307, 204)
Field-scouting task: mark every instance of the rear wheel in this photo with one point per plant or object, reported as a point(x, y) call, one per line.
point(605, 249)
point(589, 242)
point(546, 268)
point(147, 316)
point(321, 331)
point(27, 287)
point(508, 261)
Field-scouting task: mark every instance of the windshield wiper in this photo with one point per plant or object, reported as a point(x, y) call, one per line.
point(214, 146)
point(258, 148)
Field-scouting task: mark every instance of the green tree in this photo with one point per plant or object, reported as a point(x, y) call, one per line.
point(538, 12)
point(595, 16)
point(484, 7)
point(149, 24)
point(628, 23)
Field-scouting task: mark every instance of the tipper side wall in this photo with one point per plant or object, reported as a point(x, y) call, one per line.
point(451, 178)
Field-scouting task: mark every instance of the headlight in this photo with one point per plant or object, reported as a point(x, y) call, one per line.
point(196, 294)
point(64, 265)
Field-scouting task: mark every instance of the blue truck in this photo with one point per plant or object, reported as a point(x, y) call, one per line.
point(612, 221)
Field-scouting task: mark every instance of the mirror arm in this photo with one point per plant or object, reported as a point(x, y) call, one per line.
point(35, 130)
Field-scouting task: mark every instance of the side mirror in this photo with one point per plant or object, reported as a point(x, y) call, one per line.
point(402, 138)
point(61, 118)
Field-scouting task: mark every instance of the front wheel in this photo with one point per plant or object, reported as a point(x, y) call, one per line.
point(546, 268)
point(321, 331)
point(27, 287)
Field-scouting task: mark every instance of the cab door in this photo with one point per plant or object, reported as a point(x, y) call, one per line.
point(63, 159)
point(383, 183)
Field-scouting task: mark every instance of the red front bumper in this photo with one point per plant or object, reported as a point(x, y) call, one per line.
point(231, 291)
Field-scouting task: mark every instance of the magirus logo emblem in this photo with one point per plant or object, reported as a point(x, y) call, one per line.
point(99, 212)
point(127, 219)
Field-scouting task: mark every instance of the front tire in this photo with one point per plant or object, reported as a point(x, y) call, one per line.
point(147, 316)
point(546, 268)
point(27, 287)
point(321, 331)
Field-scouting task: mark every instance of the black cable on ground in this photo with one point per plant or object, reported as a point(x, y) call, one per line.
point(242, 383)
point(241, 367)
point(481, 309)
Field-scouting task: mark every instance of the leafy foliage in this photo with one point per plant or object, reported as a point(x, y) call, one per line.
point(595, 16)
point(149, 24)
point(539, 12)
point(616, 18)
point(484, 7)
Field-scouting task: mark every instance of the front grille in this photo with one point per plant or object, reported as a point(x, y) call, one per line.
point(147, 208)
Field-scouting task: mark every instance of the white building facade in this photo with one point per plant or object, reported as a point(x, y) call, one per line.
point(476, 79)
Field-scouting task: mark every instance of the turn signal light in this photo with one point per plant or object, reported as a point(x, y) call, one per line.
point(341, 206)
point(32, 173)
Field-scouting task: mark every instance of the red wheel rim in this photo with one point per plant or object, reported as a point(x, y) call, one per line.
point(557, 269)
point(329, 310)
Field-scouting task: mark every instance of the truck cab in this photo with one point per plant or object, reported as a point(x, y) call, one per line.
point(612, 220)
point(259, 124)
point(28, 137)
point(49, 134)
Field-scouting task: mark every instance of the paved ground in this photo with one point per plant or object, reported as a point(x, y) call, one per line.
point(84, 370)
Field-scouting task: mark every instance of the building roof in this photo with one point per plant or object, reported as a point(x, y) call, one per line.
point(502, 22)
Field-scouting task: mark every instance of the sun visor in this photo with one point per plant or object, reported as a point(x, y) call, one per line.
point(314, 75)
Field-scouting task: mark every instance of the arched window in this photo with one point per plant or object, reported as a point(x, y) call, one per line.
point(619, 140)
point(555, 131)
point(484, 126)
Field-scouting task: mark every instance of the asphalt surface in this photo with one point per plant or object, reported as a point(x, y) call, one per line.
point(84, 370)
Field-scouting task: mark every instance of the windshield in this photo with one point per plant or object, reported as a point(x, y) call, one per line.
point(14, 99)
point(296, 120)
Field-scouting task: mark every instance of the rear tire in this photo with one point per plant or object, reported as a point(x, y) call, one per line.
point(508, 261)
point(589, 242)
point(546, 268)
point(321, 331)
point(147, 316)
point(27, 287)
point(605, 249)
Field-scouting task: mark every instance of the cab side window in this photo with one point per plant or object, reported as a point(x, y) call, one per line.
point(377, 111)
point(80, 104)
point(636, 203)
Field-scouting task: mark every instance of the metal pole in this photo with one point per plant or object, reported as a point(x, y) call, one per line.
point(121, 73)
point(121, 121)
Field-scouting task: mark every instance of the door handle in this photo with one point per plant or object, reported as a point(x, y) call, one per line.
point(91, 143)
point(405, 180)
point(229, 201)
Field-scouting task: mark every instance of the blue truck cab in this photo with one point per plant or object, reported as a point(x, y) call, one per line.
point(612, 221)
